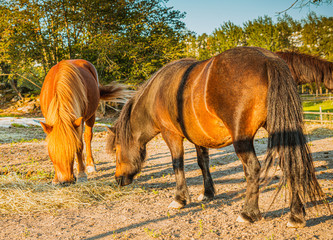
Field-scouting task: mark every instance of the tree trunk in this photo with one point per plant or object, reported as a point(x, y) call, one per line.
point(13, 84)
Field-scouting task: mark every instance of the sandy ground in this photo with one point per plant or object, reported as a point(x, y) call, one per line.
point(144, 214)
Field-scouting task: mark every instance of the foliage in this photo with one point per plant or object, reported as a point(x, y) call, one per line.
point(310, 35)
point(317, 36)
point(128, 40)
point(125, 40)
point(227, 36)
point(304, 3)
point(261, 32)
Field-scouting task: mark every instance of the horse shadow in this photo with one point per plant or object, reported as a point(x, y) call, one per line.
point(192, 208)
point(225, 156)
point(217, 158)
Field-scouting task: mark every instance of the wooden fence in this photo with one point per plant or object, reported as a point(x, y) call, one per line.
point(324, 117)
point(316, 98)
point(320, 120)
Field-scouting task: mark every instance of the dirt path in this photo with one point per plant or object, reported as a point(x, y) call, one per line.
point(143, 213)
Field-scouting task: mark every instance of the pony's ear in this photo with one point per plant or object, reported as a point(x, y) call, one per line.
point(77, 122)
point(111, 130)
point(111, 140)
point(47, 128)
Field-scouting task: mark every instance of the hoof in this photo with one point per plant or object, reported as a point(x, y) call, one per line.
point(55, 182)
point(241, 219)
point(82, 177)
point(176, 205)
point(246, 218)
point(90, 169)
point(203, 198)
point(295, 224)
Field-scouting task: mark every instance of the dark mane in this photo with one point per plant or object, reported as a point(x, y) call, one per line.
point(307, 68)
point(122, 127)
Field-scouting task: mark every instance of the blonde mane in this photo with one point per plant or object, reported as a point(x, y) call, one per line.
point(69, 103)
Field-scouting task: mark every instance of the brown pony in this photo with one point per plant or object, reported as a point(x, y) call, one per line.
point(214, 103)
point(306, 68)
point(70, 97)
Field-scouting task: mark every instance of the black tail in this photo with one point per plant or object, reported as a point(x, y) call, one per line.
point(286, 138)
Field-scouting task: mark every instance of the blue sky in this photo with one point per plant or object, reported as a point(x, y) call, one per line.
point(203, 16)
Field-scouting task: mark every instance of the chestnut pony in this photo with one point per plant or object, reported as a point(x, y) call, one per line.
point(306, 68)
point(70, 97)
point(214, 103)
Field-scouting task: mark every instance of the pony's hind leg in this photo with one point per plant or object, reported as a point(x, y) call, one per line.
point(90, 165)
point(175, 144)
point(246, 153)
point(297, 210)
point(203, 162)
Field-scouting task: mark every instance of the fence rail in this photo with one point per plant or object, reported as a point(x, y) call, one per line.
point(324, 117)
point(321, 114)
point(316, 98)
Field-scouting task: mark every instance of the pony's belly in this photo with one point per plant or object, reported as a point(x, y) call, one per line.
point(218, 143)
point(210, 133)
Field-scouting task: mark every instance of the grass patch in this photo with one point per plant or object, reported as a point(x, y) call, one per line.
point(22, 140)
point(326, 107)
point(17, 125)
point(18, 195)
point(10, 115)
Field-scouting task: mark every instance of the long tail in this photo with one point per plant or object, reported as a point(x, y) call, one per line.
point(286, 138)
point(115, 92)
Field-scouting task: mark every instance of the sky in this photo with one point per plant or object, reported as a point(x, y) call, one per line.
point(204, 16)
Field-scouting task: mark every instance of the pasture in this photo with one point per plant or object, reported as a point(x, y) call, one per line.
point(312, 108)
point(31, 208)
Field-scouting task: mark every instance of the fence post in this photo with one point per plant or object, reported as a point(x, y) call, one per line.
point(321, 115)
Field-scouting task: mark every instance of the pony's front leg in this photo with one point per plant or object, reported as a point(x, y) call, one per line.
point(55, 180)
point(175, 144)
point(203, 162)
point(81, 175)
point(90, 165)
point(246, 153)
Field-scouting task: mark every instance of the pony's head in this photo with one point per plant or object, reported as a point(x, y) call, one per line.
point(130, 152)
point(129, 157)
point(63, 141)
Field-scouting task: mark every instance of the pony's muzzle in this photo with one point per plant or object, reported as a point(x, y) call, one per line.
point(64, 183)
point(123, 180)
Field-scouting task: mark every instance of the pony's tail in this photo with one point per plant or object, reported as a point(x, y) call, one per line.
point(114, 92)
point(286, 140)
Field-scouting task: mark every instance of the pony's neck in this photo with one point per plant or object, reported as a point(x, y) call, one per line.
point(143, 129)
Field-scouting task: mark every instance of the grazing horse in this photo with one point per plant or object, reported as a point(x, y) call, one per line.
point(306, 68)
point(214, 103)
point(70, 97)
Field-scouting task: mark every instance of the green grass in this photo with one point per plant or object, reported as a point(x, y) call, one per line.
point(10, 115)
point(18, 125)
point(326, 106)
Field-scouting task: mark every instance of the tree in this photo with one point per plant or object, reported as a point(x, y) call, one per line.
point(288, 33)
point(227, 36)
point(306, 3)
point(147, 38)
point(263, 33)
point(317, 36)
point(127, 40)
